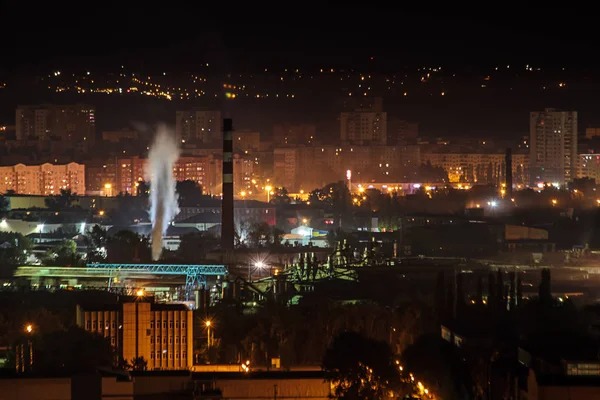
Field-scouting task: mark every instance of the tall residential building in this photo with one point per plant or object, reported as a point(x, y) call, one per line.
point(246, 141)
point(290, 134)
point(203, 126)
point(161, 333)
point(364, 125)
point(73, 123)
point(553, 146)
point(400, 131)
point(285, 167)
point(589, 166)
point(43, 180)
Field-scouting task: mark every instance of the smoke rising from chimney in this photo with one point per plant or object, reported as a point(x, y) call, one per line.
point(164, 152)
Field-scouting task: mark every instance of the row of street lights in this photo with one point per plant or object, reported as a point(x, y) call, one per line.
point(423, 391)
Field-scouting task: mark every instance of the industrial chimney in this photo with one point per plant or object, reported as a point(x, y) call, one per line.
point(508, 173)
point(227, 232)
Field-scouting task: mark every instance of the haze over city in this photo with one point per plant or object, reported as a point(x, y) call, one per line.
point(316, 200)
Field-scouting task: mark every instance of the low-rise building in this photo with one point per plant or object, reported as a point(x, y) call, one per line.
point(160, 333)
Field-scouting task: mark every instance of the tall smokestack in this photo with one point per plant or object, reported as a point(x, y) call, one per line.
point(227, 202)
point(508, 173)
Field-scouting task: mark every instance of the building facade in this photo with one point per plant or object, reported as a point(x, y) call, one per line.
point(305, 168)
point(73, 123)
point(294, 134)
point(589, 166)
point(482, 168)
point(203, 126)
point(109, 177)
point(161, 333)
point(43, 180)
point(363, 127)
point(553, 146)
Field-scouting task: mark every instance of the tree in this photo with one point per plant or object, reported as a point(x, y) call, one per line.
point(439, 366)
point(195, 246)
point(190, 192)
point(429, 173)
point(14, 249)
point(262, 235)
point(62, 254)
point(143, 189)
point(62, 201)
point(4, 204)
point(129, 209)
point(128, 247)
point(14, 317)
point(72, 351)
point(281, 196)
point(137, 364)
point(96, 241)
point(337, 198)
point(360, 368)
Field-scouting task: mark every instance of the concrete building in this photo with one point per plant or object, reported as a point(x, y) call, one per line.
point(202, 126)
point(246, 141)
point(109, 177)
point(45, 179)
point(74, 123)
point(159, 385)
point(161, 333)
point(117, 136)
point(400, 131)
point(589, 166)
point(304, 168)
point(285, 166)
point(363, 127)
point(553, 146)
point(482, 168)
point(294, 134)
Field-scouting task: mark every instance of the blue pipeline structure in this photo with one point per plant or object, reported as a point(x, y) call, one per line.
point(195, 275)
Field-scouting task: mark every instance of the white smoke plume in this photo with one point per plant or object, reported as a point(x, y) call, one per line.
point(163, 196)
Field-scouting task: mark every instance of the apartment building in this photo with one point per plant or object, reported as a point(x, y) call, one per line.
point(43, 180)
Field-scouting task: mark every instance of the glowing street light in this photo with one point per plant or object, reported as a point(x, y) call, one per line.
point(140, 293)
point(108, 188)
point(208, 324)
point(268, 188)
point(28, 331)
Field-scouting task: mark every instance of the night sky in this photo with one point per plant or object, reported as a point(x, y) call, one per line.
point(177, 36)
point(307, 34)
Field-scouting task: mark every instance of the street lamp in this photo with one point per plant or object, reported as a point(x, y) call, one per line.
point(107, 186)
point(29, 331)
point(268, 188)
point(140, 294)
point(208, 324)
